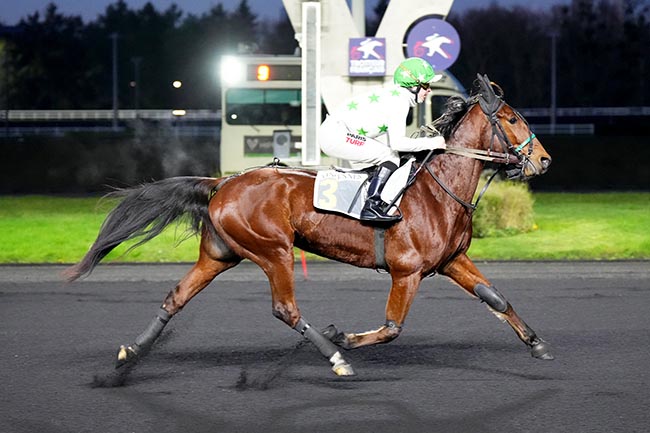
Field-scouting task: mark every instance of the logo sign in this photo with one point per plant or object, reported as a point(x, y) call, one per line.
point(267, 145)
point(367, 57)
point(434, 40)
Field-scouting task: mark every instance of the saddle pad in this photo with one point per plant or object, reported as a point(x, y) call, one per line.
point(345, 192)
point(340, 192)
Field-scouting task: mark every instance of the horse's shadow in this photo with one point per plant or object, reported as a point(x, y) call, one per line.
point(369, 413)
point(262, 366)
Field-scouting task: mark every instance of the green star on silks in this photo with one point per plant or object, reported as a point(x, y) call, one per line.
point(383, 128)
point(394, 92)
point(352, 105)
point(374, 98)
point(361, 131)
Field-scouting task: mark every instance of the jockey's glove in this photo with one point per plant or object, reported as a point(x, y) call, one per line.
point(435, 142)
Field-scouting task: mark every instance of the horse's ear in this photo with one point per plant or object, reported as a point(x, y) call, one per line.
point(479, 82)
point(484, 86)
point(487, 99)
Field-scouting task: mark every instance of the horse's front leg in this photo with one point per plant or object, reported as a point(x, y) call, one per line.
point(399, 302)
point(463, 271)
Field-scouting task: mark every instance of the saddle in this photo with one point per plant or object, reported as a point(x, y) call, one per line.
point(344, 191)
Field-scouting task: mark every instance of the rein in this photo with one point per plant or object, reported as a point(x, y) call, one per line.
point(471, 207)
point(512, 156)
point(487, 155)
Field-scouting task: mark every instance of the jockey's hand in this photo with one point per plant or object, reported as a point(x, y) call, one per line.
point(436, 142)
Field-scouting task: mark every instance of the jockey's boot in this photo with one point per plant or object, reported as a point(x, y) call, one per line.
point(375, 209)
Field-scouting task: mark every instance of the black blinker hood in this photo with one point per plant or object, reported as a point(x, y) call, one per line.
point(487, 99)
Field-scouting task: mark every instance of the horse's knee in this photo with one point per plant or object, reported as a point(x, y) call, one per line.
point(491, 296)
point(289, 314)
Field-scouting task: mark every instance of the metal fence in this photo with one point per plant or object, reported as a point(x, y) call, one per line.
point(563, 128)
point(86, 115)
point(180, 125)
point(59, 131)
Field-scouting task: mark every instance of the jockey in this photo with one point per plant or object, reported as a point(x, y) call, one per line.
point(370, 130)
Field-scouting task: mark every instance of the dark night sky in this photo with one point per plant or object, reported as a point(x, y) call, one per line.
point(11, 11)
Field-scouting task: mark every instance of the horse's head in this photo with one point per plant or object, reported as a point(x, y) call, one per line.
point(524, 155)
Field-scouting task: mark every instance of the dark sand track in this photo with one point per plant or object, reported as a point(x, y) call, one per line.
point(225, 364)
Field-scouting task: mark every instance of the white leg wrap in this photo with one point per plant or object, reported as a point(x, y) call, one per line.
point(340, 366)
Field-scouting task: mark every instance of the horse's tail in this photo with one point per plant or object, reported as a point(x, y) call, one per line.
point(144, 212)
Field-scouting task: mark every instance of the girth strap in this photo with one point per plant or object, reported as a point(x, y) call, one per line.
point(380, 251)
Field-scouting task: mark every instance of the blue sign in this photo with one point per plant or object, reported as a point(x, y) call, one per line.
point(367, 57)
point(434, 40)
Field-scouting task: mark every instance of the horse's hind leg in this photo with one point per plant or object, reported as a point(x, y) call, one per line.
point(463, 271)
point(279, 270)
point(202, 273)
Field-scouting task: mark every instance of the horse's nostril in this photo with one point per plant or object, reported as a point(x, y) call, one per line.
point(546, 162)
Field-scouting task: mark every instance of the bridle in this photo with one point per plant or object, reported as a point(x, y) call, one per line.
point(511, 158)
point(491, 104)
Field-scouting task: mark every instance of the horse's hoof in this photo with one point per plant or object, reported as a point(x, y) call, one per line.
point(542, 350)
point(125, 355)
point(340, 366)
point(344, 369)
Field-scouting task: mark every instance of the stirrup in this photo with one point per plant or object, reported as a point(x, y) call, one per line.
point(381, 219)
point(372, 214)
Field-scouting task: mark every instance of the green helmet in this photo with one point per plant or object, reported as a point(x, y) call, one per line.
point(412, 72)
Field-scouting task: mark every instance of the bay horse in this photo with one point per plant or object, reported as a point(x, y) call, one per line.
point(262, 213)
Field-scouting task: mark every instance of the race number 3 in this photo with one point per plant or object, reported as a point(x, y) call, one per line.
point(327, 193)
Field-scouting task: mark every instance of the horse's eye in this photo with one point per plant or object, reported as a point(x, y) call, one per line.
point(512, 120)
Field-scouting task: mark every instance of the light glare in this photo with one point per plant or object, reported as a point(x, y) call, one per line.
point(232, 70)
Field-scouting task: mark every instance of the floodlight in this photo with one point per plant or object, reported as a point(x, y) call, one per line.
point(232, 70)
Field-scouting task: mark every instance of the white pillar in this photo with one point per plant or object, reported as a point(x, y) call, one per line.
point(311, 98)
point(359, 15)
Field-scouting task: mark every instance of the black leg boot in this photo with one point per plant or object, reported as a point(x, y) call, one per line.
point(375, 208)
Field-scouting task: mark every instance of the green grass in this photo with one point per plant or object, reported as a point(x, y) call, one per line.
point(39, 229)
point(608, 226)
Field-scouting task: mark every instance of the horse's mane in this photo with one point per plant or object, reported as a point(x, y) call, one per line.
point(455, 109)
